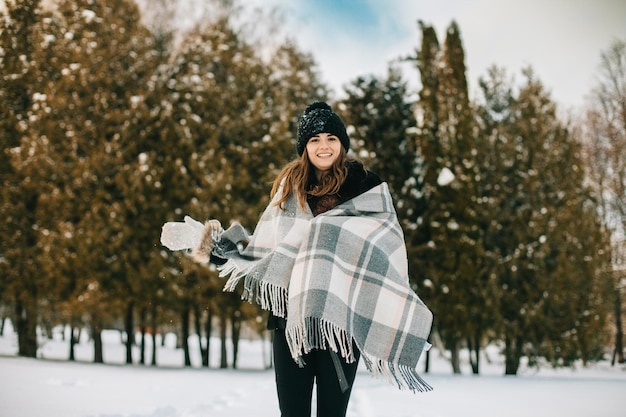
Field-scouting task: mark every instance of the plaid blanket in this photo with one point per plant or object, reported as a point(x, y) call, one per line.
point(338, 278)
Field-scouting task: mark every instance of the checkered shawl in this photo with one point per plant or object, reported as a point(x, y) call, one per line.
point(338, 278)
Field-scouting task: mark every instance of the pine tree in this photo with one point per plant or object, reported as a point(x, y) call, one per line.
point(493, 112)
point(419, 240)
point(24, 168)
point(112, 130)
point(120, 68)
point(379, 116)
point(294, 83)
point(449, 237)
point(544, 234)
point(86, 55)
point(213, 136)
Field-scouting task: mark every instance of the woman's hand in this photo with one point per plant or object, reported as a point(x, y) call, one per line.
point(182, 235)
point(212, 230)
point(193, 235)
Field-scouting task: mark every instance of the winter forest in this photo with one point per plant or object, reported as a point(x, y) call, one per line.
point(115, 121)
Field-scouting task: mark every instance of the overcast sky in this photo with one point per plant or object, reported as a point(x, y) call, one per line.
point(560, 39)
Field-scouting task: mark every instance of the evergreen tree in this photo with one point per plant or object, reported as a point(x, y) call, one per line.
point(295, 83)
point(544, 234)
point(112, 130)
point(115, 57)
point(85, 57)
point(380, 117)
point(426, 110)
point(493, 112)
point(25, 167)
point(449, 242)
point(213, 135)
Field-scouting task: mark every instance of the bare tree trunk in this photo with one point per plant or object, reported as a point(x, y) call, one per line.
point(130, 333)
point(455, 359)
point(223, 357)
point(473, 346)
point(235, 330)
point(197, 317)
point(26, 326)
point(96, 333)
point(618, 353)
point(142, 320)
point(153, 318)
point(513, 354)
point(72, 343)
point(153, 360)
point(185, 335)
point(47, 325)
point(208, 331)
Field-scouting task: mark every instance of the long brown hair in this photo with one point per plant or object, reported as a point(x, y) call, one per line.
point(297, 176)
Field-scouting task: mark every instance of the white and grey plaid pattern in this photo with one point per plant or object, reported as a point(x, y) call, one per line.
point(340, 277)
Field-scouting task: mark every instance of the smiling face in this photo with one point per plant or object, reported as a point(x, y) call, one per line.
point(323, 150)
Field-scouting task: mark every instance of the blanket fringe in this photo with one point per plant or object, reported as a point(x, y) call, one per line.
point(403, 376)
point(321, 334)
point(268, 296)
point(316, 333)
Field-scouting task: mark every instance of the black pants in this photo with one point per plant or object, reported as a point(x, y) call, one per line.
point(295, 384)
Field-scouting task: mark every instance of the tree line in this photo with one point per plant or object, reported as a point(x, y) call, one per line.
point(113, 124)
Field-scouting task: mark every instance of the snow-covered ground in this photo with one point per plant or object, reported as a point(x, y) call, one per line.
point(53, 387)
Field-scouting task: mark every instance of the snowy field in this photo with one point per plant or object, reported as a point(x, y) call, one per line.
point(52, 387)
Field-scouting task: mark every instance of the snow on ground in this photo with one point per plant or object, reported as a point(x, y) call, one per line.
point(52, 387)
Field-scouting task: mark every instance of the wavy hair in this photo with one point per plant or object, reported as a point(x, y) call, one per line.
point(298, 177)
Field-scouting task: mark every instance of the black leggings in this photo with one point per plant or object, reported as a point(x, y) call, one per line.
point(295, 384)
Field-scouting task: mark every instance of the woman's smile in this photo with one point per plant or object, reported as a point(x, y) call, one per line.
point(323, 150)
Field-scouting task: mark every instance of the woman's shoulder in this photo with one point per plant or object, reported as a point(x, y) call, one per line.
point(359, 180)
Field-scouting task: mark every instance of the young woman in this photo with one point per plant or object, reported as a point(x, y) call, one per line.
point(328, 260)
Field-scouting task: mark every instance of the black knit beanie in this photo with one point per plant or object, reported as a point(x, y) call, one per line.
point(320, 118)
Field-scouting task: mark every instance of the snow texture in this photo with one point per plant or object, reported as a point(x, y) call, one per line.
point(52, 387)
